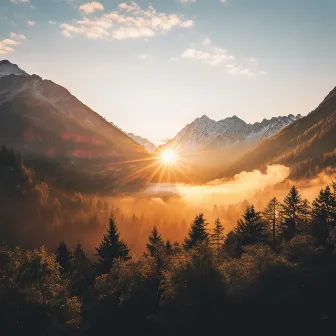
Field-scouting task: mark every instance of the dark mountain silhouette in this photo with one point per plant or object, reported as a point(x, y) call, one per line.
point(47, 123)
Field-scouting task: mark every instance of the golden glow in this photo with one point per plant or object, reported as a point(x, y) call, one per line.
point(168, 157)
point(165, 166)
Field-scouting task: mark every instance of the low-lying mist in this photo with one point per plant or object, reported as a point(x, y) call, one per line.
point(173, 206)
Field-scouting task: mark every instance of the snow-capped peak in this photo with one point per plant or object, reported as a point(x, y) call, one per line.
point(7, 68)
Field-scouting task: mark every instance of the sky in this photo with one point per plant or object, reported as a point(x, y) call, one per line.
point(151, 67)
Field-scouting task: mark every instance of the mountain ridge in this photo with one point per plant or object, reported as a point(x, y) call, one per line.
point(307, 146)
point(42, 119)
point(204, 132)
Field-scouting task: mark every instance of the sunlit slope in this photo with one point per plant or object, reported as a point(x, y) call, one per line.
point(307, 146)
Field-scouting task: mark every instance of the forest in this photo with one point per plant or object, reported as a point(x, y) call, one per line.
point(277, 264)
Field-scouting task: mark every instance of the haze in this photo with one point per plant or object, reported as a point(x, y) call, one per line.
point(255, 59)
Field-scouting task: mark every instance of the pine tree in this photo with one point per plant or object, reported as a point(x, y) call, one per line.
point(292, 208)
point(79, 254)
point(273, 218)
point(324, 214)
point(217, 236)
point(232, 246)
point(155, 242)
point(81, 274)
point(251, 229)
point(111, 248)
point(169, 247)
point(64, 257)
point(197, 232)
point(306, 215)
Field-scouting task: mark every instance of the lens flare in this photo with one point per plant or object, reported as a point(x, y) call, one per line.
point(168, 157)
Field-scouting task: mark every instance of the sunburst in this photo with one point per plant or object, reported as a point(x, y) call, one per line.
point(163, 166)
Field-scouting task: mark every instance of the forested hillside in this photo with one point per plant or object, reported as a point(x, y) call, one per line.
point(276, 265)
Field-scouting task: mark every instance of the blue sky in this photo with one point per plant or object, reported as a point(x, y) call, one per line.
point(152, 67)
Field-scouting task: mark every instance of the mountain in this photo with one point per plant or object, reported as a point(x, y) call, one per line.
point(207, 133)
point(143, 142)
point(45, 121)
point(150, 147)
point(307, 146)
point(7, 68)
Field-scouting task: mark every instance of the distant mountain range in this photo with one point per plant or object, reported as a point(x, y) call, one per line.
point(44, 120)
point(307, 146)
point(76, 146)
point(207, 133)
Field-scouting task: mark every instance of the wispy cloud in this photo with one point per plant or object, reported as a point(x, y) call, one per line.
point(187, 24)
point(206, 41)
point(52, 22)
point(144, 57)
point(18, 36)
point(128, 21)
point(211, 55)
point(187, 1)
point(31, 23)
point(19, 1)
point(91, 7)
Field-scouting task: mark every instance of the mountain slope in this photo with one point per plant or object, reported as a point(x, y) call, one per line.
point(307, 146)
point(42, 119)
point(150, 147)
point(143, 142)
point(207, 133)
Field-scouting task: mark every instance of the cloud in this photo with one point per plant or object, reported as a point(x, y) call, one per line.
point(129, 21)
point(212, 55)
point(52, 22)
point(143, 57)
point(31, 23)
point(187, 1)
point(7, 46)
point(19, 1)
point(206, 41)
point(18, 36)
point(91, 7)
point(187, 24)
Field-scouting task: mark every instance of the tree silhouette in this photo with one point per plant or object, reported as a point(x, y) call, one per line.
point(273, 218)
point(64, 257)
point(292, 209)
point(111, 248)
point(251, 229)
point(324, 214)
point(155, 242)
point(217, 236)
point(197, 232)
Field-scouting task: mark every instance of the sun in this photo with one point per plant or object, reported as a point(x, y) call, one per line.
point(168, 157)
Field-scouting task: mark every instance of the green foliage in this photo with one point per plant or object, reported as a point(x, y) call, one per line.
point(197, 232)
point(34, 298)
